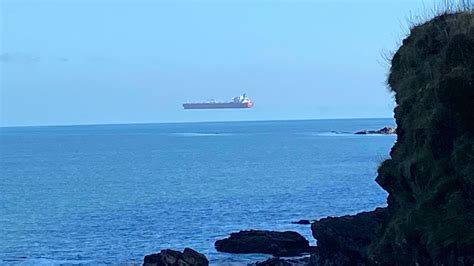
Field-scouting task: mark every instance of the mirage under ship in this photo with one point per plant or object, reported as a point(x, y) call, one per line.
point(241, 101)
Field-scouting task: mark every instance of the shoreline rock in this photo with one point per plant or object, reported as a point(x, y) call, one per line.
point(344, 240)
point(169, 257)
point(284, 244)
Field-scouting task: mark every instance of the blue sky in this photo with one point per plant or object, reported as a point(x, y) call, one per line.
point(89, 62)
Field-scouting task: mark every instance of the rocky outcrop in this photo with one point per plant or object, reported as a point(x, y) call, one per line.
point(168, 257)
point(344, 240)
point(268, 242)
point(382, 131)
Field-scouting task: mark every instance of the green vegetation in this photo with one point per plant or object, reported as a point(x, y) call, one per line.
point(430, 176)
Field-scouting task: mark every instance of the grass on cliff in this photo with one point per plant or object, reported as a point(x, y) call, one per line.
point(430, 176)
point(420, 17)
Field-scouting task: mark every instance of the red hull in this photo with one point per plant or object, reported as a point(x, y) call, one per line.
point(217, 105)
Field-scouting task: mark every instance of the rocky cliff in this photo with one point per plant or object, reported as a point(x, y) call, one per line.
point(430, 176)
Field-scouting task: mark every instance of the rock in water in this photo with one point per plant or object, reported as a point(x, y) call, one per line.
point(302, 222)
point(168, 257)
point(344, 240)
point(382, 131)
point(268, 242)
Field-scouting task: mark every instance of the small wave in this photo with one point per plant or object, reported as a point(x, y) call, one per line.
point(330, 134)
point(337, 134)
point(201, 134)
point(346, 134)
point(44, 261)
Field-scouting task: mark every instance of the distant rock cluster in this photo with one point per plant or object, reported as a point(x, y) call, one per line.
point(382, 131)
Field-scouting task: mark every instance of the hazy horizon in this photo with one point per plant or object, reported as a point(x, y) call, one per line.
point(83, 62)
point(199, 122)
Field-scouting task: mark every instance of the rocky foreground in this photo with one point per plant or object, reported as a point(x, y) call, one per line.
point(430, 176)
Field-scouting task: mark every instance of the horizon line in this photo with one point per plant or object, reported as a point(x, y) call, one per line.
point(192, 122)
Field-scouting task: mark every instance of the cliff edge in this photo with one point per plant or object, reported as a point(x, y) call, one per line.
point(430, 176)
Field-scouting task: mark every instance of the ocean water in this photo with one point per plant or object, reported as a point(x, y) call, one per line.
point(114, 193)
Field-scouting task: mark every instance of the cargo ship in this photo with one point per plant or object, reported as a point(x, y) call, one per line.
point(241, 101)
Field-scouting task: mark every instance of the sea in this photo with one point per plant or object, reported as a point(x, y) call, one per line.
point(111, 194)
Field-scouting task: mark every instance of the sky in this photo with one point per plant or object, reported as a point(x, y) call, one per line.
point(106, 62)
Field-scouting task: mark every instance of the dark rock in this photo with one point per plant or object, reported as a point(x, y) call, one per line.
point(382, 131)
point(283, 262)
point(168, 257)
point(344, 240)
point(268, 242)
point(362, 132)
point(302, 222)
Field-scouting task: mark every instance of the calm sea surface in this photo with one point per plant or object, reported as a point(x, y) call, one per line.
point(114, 193)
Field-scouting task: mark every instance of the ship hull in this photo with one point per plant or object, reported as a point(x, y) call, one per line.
point(217, 105)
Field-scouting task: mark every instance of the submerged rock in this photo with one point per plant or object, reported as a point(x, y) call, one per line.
point(168, 257)
point(344, 240)
point(283, 262)
point(302, 222)
point(268, 242)
point(382, 131)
